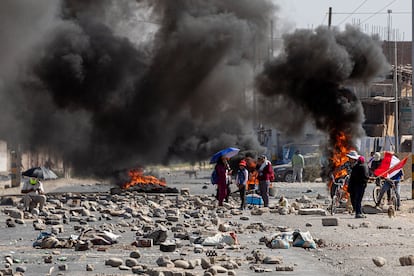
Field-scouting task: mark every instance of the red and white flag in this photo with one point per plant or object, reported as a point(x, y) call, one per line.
point(390, 165)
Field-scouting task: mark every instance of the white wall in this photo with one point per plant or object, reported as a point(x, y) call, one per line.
point(3, 156)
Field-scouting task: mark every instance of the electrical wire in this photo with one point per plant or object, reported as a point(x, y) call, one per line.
point(323, 20)
point(353, 12)
point(369, 17)
point(402, 12)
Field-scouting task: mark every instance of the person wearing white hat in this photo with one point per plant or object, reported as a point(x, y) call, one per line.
point(357, 182)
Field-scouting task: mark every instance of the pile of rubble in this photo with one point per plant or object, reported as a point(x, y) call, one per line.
point(153, 234)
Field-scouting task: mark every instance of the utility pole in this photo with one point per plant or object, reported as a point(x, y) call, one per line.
point(389, 34)
point(412, 100)
point(271, 40)
point(396, 130)
point(330, 17)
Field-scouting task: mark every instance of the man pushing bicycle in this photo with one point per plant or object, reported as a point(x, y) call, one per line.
point(388, 184)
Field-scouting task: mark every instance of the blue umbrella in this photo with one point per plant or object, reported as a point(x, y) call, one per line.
point(228, 153)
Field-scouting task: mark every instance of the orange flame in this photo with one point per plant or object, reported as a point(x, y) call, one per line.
point(137, 177)
point(339, 158)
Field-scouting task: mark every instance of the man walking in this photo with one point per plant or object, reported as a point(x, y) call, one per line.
point(298, 163)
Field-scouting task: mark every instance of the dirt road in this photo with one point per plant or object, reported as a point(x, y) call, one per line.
point(348, 247)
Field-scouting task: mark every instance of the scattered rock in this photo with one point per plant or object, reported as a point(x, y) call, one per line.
point(135, 254)
point(273, 260)
point(312, 211)
point(407, 260)
point(114, 262)
point(131, 262)
point(379, 261)
point(330, 221)
point(284, 268)
point(182, 264)
point(168, 246)
point(63, 267)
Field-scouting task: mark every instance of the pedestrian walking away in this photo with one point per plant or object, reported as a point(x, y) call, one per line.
point(265, 176)
point(241, 181)
point(298, 163)
point(357, 182)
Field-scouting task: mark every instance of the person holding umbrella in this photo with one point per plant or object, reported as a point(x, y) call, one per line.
point(34, 194)
point(221, 169)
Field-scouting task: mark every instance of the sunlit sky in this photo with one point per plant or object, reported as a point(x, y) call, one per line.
point(371, 15)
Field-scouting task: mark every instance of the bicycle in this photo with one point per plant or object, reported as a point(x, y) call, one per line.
point(339, 193)
point(379, 182)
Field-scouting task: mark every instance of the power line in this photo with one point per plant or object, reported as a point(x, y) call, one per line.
point(369, 17)
point(402, 12)
point(353, 12)
point(323, 20)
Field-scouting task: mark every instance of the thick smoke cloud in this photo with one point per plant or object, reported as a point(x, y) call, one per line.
point(105, 100)
point(308, 81)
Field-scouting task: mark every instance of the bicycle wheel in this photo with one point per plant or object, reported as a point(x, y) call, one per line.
point(375, 194)
point(334, 204)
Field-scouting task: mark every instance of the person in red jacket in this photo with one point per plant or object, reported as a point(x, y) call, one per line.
point(265, 176)
point(221, 169)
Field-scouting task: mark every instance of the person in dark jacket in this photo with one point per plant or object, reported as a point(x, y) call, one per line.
point(265, 176)
point(357, 181)
point(241, 181)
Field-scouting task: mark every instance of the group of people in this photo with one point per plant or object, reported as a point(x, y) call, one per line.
point(265, 175)
point(361, 173)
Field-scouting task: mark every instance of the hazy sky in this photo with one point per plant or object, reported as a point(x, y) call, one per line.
point(371, 14)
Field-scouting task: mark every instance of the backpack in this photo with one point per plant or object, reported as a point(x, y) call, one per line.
point(214, 177)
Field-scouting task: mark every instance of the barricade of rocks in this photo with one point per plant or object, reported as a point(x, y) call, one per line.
point(189, 232)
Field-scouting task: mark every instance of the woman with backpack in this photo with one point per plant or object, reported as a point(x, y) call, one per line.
point(241, 181)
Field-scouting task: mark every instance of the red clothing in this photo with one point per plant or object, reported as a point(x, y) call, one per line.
point(267, 173)
point(222, 182)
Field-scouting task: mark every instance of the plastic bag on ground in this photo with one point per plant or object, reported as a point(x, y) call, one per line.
point(227, 238)
point(303, 239)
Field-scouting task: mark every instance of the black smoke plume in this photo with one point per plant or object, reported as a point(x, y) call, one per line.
point(93, 88)
point(308, 81)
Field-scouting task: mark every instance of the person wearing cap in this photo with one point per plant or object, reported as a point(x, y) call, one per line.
point(298, 163)
point(265, 176)
point(33, 194)
point(357, 181)
point(374, 164)
point(241, 181)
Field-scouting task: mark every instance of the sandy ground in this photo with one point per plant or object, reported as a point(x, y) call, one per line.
point(349, 247)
